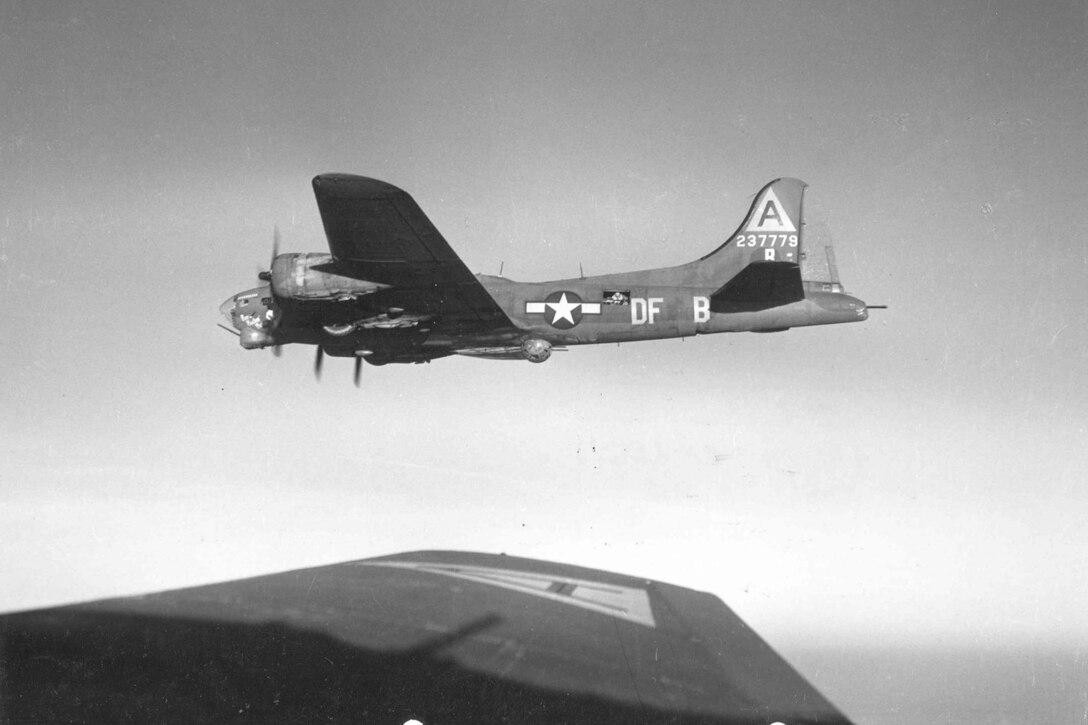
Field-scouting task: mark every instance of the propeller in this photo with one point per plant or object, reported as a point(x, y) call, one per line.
point(358, 369)
point(318, 360)
point(266, 275)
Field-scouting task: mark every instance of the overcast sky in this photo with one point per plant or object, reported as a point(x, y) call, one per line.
point(918, 477)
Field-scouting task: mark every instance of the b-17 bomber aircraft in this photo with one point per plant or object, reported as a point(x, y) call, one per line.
point(392, 290)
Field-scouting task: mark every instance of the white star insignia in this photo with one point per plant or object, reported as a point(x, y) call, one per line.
point(563, 309)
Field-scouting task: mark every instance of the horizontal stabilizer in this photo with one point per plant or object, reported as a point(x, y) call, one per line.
point(760, 286)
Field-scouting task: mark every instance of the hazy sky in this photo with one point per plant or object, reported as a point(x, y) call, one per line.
point(918, 477)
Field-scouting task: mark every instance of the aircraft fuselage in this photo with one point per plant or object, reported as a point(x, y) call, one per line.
point(621, 308)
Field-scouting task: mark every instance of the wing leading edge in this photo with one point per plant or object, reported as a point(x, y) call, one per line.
point(431, 636)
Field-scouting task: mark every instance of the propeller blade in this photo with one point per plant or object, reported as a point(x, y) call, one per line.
point(277, 350)
point(265, 275)
point(317, 362)
point(275, 244)
point(358, 370)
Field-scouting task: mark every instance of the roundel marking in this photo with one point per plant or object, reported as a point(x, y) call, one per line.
point(563, 309)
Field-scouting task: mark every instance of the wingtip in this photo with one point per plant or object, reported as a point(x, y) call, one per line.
point(352, 185)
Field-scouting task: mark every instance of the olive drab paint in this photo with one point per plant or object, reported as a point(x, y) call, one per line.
point(391, 289)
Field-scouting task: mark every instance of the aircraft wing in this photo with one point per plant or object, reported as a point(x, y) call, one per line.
point(436, 637)
point(379, 232)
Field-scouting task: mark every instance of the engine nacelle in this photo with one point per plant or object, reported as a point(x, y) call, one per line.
point(315, 276)
point(536, 351)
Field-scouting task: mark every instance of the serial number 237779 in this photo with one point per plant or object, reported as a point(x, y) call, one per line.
point(766, 240)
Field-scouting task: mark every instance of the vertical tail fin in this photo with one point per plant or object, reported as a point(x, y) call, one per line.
point(772, 230)
point(760, 266)
point(770, 237)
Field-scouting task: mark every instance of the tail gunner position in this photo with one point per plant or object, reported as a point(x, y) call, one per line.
point(392, 290)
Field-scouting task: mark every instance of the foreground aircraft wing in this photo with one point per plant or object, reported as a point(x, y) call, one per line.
point(379, 232)
point(435, 637)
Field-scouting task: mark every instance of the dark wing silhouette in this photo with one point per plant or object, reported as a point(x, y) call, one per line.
point(437, 637)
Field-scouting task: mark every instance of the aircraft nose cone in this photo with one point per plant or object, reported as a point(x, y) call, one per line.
point(225, 309)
